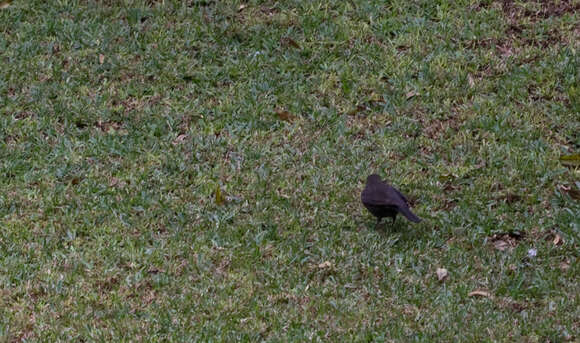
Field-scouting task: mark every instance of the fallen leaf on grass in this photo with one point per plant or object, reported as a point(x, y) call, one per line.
point(505, 50)
point(285, 115)
point(242, 7)
point(470, 81)
point(287, 41)
point(179, 140)
point(442, 274)
point(564, 265)
point(219, 198)
point(500, 245)
point(554, 237)
point(570, 160)
point(5, 4)
point(564, 188)
point(411, 94)
point(101, 58)
point(325, 265)
point(479, 293)
point(574, 193)
point(507, 240)
point(115, 182)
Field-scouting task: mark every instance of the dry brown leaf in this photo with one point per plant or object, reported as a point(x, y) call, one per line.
point(554, 237)
point(470, 81)
point(285, 115)
point(572, 191)
point(287, 41)
point(115, 182)
point(5, 4)
point(411, 94)
point(479, 293)
point(564, 265)
point(242, 7)
point(500, 245)
point(505, 50)
point(101, 58)
point(564, 188)
point(442, 274)
point(180, 139)
point(325, 265)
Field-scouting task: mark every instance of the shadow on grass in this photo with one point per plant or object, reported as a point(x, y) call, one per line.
point(402, 231)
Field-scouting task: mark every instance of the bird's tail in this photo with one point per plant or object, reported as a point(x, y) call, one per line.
point(409, 215)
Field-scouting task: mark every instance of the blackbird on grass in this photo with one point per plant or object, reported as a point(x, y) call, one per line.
point(384, 200)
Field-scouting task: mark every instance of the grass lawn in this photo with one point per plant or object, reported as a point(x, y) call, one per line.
point(191, 170)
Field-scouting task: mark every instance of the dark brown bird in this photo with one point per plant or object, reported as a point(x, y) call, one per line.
point(384, 200)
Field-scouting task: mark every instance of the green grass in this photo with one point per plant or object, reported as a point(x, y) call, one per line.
point(119, 120)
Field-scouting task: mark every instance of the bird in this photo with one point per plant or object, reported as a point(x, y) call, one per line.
point(384, 200)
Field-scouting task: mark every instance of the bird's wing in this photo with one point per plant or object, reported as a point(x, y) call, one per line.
point(385, 196)
point(401, 195)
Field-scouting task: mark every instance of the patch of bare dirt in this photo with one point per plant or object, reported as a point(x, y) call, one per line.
point(253, 15)
point(521, 17)
point(445, 204)
point(364, 124)
point(538, 10)
point(435, 128)
point(533, 12)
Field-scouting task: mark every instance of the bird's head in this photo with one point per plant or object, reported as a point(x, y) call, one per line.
point(373, 178)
